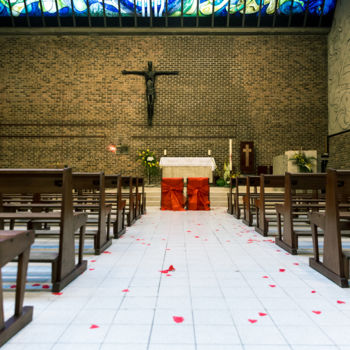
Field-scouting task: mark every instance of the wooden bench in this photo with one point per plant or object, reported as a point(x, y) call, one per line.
point(252, 182)
point(115, 182)
point(138, 197)
point(143, 195)
point(13, 244)
point(333, 222)
point(238, 196)
point(95, 182)
point(267, 201)
point(295, 205)
point(130, 210)
point(64, 267)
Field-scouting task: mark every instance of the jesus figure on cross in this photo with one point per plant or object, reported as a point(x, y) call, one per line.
point(150, 76)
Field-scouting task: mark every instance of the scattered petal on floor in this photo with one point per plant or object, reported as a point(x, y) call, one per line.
point(93, 326)
point(178, 319)
point(317, 312)
point(252, 321)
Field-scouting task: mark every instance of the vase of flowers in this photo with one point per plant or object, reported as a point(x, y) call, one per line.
point(303, 162)
point(149, 160)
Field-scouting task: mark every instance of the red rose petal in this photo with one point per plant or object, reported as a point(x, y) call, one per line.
point(313, 291)
point(125, 290)
point(265, 276)
point(92, 260)
point(164, 271)
point(59, 293)
point(168, 274)
point(272, 285)
point(36, 285)
point(282, 270)
point(167, 249)
point(277, 250)
point(341, 302)
point(93, 326)
point(196, 236)
point(171, 268)
point(317, 312)
point(296, 264)
point(178, 319)
point(188, 231)
point(13, 286)
point(262, 314)
point(91, 269)
point(252, 321)
point(45, 286)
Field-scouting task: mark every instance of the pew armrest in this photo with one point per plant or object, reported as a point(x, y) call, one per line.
point(121, 204)
point(317, 219)
point(280, 208)
point(79, 220)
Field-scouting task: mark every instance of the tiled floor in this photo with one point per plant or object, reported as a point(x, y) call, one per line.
point(231, 290)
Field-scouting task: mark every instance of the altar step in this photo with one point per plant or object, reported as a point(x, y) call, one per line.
point(218, 196)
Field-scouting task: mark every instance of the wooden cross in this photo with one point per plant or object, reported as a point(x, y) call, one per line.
point(150, 77)
point(247, 150)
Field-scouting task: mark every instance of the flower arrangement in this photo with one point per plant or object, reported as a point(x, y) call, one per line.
point(303, 162)
point(149, 160)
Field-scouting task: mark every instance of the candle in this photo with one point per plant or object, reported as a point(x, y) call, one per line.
point(164, 152)
point(209, 152)
point(230, 153)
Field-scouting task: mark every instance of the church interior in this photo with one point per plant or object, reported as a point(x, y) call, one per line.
point(175, 174)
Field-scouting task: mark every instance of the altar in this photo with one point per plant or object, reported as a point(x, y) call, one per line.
point(188, 167)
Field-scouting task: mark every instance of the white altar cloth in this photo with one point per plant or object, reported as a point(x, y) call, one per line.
point(188, 167)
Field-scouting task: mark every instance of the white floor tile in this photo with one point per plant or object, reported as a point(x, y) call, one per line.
point(172, 334)
point(218, 334)
point(128, 334)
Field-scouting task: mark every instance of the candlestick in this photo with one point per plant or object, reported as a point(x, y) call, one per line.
point(164, 152)
point(209, 152)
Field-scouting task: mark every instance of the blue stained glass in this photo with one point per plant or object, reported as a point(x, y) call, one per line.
point(143, 7)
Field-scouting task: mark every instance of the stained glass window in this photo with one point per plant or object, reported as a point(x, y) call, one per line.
point(159, 8)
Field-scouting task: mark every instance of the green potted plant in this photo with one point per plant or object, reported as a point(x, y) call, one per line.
point(303, 162)
point(150, 162)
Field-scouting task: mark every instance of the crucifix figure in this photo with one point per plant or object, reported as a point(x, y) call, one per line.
point(150, 77)
point(247, 150)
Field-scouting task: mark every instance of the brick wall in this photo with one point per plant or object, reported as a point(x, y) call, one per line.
point(64, 99)
point(339, 151)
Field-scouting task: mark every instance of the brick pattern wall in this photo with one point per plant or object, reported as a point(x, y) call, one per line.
point(64, 99)
point(339, 151)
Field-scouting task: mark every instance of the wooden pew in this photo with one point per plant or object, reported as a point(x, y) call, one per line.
point(230, 197)
point(143, 195)
point(64, 268)
point(238, 196)
point(95, 182)
point(297, 204)
point(266, 201)
point(127, 181)
point(335, 264)
point(115, 181)
point(13, 244)
point(138, 198)
point(252, 182)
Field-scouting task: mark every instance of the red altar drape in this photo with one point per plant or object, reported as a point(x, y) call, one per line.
point(172, 194)
point(198, 193)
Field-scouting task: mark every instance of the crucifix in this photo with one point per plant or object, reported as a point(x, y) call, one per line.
point(247, 157)
point(247, 150)
point(150, 77)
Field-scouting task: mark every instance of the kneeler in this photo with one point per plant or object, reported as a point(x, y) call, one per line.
point(198, 193)
point(172, 194)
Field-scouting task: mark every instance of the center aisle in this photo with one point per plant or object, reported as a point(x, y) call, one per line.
point(190, 281)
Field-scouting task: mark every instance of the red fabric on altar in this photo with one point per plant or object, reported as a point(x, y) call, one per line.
point(198, 193)
point(172, 194)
